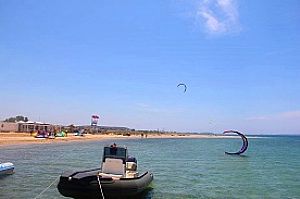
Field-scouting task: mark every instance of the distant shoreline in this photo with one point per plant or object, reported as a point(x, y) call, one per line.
point(16, 138)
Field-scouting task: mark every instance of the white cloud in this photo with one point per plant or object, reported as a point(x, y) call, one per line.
point(213, 24)
point(277, 123)
point(289, 115)
point(218, 16)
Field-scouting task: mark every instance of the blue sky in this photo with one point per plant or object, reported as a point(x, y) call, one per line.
point(62, 61)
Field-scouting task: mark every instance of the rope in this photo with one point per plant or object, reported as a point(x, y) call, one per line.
point(54, 179)
point(47, 188)
point(98, 178)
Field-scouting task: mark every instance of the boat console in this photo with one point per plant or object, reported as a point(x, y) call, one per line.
point(116, 163)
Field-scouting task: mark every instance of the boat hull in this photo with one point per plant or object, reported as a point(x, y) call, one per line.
point(6, 168)
point(84, 184)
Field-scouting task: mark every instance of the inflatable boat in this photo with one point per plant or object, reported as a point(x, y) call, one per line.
point(117, 178)
point(6, 168)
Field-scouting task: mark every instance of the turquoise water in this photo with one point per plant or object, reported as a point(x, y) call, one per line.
point(183, 168)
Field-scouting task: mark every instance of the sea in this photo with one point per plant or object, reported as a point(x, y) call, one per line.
point(183, 168)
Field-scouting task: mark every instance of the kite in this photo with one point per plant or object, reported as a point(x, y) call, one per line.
point(185, 87)
point(244, 146)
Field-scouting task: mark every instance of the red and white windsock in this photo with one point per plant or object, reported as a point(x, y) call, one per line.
point(94, 120)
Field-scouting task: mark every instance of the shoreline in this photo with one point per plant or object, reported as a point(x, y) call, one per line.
point(16, 138)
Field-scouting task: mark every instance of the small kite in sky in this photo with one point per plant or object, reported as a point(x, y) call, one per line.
point(181, 84)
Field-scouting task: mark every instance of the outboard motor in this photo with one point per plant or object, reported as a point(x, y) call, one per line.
point(131, 159)
point(131, 164)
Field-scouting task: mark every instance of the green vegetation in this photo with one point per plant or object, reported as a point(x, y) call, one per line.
point(18, 118)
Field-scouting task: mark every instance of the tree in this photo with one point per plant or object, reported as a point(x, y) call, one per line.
point(18, 118)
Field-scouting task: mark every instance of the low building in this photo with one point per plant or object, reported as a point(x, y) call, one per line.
point(9, 127)
point(33, 126)
point(24, 126)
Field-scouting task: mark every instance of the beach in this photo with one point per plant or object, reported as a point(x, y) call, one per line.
point(17, 138)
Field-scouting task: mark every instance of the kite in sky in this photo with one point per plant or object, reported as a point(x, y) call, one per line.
point(181, 84)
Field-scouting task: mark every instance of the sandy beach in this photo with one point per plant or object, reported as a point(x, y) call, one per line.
point(15, 138)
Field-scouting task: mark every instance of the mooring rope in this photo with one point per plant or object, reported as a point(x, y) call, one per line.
point(54, 179)
point(98, 178)
point(47, 188)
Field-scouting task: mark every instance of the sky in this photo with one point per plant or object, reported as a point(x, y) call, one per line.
point(62, 61)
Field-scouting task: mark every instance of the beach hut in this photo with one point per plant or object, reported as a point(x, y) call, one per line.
point(31, 126)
